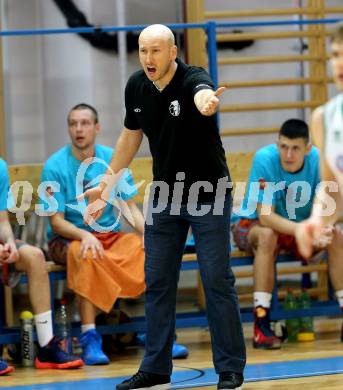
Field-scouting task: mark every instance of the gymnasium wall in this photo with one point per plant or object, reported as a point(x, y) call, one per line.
point(46, 75)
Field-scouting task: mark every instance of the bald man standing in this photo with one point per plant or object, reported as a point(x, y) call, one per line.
point(174, 104)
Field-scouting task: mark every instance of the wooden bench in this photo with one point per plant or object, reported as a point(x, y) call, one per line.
point(239, 164)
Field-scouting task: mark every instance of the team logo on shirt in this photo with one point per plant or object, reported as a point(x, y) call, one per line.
point(263, 183)
point(339, 163)
point(174, 108)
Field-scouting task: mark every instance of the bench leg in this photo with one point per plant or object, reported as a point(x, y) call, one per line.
point(9, 311)
point(323, 282)
point(275, 299)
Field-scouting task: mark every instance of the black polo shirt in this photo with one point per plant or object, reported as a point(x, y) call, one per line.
point(180, 138)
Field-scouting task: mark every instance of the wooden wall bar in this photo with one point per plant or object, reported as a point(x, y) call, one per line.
point(268, 12)
point(316, 56)
point(195, 38)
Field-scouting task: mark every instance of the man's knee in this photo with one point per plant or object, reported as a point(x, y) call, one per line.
point(335, 249)
point(217, 278)
point(31, 259)
point(266, 238)
point(160, 278)
point(337, 238)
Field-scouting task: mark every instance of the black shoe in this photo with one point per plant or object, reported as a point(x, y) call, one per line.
point(144, 380)
point(230, 380)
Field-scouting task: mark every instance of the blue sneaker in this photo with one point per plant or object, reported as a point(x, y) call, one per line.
point(179, 351)
point(91, 343)
point(53, 356)
point(140, 339)
point(5, 368)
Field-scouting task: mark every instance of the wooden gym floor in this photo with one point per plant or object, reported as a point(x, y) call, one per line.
point(316, 359)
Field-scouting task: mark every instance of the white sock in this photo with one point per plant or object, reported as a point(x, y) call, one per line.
point(339, 295)
point(43, 322)
point(263, 299)
point(85, 328)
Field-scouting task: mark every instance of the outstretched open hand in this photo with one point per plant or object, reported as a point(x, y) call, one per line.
point(96, 204)
point(211, 105)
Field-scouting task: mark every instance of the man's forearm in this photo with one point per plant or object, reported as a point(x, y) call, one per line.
point(136, 214)
point(125, 150)
point(278, 223)
point(6, 233)
point(67, 230)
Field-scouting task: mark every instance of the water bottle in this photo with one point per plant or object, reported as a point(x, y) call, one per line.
point(63, 326)
point(26, 337)
point(292, 324)
point(306, 332)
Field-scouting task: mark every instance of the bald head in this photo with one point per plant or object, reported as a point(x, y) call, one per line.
point(157, 31)
point(157, 54)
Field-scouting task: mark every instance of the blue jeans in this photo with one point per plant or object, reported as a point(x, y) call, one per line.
point(164, 244)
